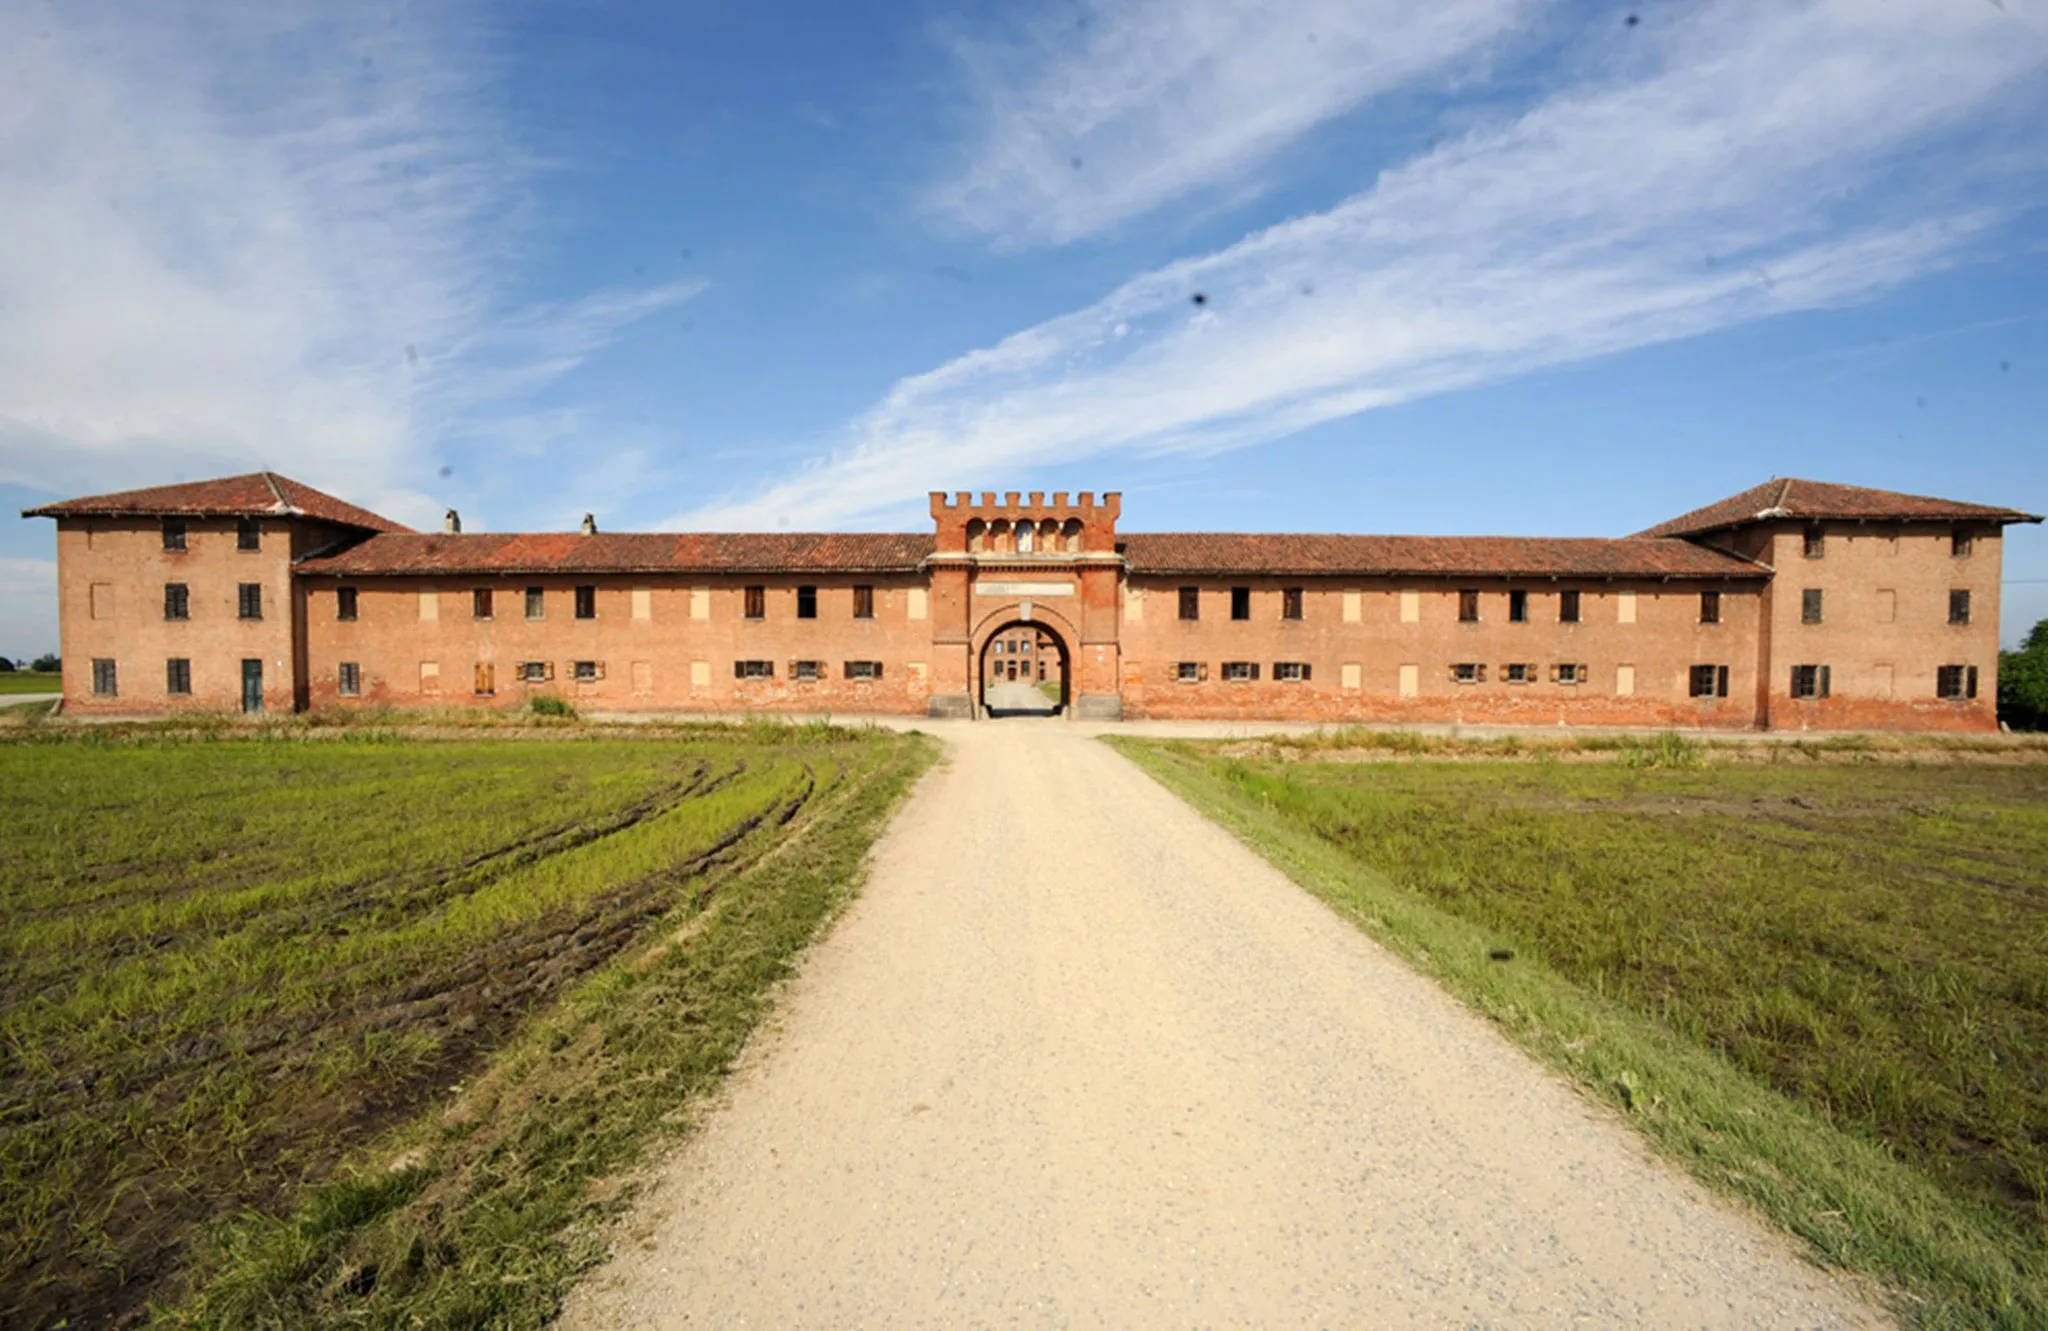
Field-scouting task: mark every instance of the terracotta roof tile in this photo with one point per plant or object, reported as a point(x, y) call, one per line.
point(628, 552)
point(1476, 556)
point(1790, 497)
point(257, 494)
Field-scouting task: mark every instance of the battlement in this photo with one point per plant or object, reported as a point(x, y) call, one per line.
point(1026, 525)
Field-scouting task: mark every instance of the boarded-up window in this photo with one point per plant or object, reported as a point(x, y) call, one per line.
point(1351, 675)
point(1624, 680)
point(700, 674)
point(1625, 608)
point(101, 596)
point(1411, 607)
point(919, 602)
point(643, 676)
point(430, 607)
point(1887, 606)
point(1411, 680)
point(486, 678)
point(916, 670)
point(700, 603)
point(430, 677)
point(643, 603)
point(1134, 604)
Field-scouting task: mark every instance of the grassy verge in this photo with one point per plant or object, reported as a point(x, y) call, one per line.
point(1816, 990)
point(246, 966)
point(30, 681)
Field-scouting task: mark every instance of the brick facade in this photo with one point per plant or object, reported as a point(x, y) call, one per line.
point(1795, 606)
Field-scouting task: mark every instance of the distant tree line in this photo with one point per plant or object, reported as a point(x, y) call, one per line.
point(2023, 682)
point(47, 662)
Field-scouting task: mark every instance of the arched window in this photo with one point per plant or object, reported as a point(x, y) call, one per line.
point(1025, 538)
point(977, 535)
point(1073, 534)
point(999, 536)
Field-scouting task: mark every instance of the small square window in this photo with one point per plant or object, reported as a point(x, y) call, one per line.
point(757, 603)
point(863, 669)
point(1240, 672)
point(807, 603)
point(1955, 682)
point(1816, 543)
point(1518, 607)
point(1710, 607)
point(1519, 672)
point(344, 603)
point(536, 603)
point(753, 669)
point(536, 672)
point(1568, 607)
point(1468, 672)
point(586, 602)
point(586, 672)
point(1707, 681)
point(248, 534)
point(1568, 673)
point(1190, 603)
point(1959, 543)
point(1468, 605)
point(178, 676)
point(1240, 603)
point(807, 670)
point(174, 533)
point(1290, 603)
point(863, 602)
point(1291, 672)
point(1809, 681)
point(1809, 606)
point(1959, 606)
point(249, 600)
point(480, 603)
point(348, 679)
point(1188, 672)
point(105, 684)
point(177, 601)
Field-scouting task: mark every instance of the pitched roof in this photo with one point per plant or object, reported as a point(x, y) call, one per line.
point(1478, 556)
point(1790, 497)
point(257, 494)
point(627, 552)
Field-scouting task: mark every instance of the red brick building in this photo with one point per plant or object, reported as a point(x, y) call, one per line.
point(1795, 605)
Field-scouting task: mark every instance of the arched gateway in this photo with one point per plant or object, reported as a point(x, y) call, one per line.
point(1024, 566)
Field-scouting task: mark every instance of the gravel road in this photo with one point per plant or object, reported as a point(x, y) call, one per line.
point(1077, 1058)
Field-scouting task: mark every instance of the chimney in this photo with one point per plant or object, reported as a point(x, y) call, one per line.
point(590, 524)
point(452, 523)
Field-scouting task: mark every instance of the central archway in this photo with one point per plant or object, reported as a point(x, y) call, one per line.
point(1023, 669)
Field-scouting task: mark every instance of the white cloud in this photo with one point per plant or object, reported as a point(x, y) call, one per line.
point(260, 235)
point(1752, 159)
point(1087, 122)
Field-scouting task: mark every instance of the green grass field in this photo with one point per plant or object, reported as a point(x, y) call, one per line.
point(1860, 949)
point(239, 967)
point(28, 681)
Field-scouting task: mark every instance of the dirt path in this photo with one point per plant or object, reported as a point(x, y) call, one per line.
point(1076, 1058)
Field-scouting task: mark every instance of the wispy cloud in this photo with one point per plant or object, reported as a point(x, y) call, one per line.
point(1751, 159)
point(1086, 121)
point(270, 235)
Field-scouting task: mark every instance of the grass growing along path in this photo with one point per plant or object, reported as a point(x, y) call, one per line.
point(234, 963)
point(1824, 987)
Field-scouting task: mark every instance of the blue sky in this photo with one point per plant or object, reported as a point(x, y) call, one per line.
point(1486, 266)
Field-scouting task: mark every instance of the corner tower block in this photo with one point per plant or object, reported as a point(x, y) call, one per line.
point(1026, 527)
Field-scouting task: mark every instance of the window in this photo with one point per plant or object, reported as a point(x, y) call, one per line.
point(486, 679)
point(104, 684)
point(1809, 681)
point(863, 604)
point(348, 679)
point(344, 603)
point(1707, 681)
point(1816, 542)
point(1240, 603)
point(1568, 607)
point(1190, 603)
point(1710, 607)
point(1809, 606)
point(536, 672)
point(1468, 672)
point(757, 603)
point(1568, 674)
point(588, 672)
point(586, 602)
point(174, 533)
point(1518, 607)
point(480, 603)
point(536, 603)
point(1241, 672)
point(177, 601)
point(807, 603)
point(1959, 543)
point(1024, 538)
point(178, 676)
point(1290, 603)
point(1468, 606)
point(1955, 682)
point(810, 670)
point(250, 600)
point(1959, 606)
point(248, 534)
point(863, 669)
point(1190, 672)
point(1519, 672)
point(753, 669)
point(1291, 672)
